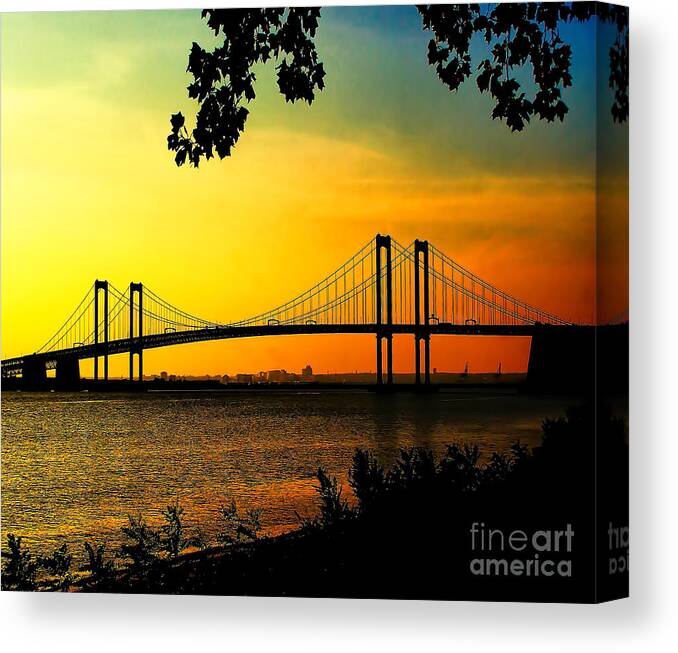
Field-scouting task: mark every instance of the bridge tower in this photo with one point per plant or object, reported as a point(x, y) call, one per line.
point(421, 333)
point(103, 286)
point(384, 242)
point(136, 347)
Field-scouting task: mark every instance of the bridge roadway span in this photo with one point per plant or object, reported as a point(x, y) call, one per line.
point(125, 345)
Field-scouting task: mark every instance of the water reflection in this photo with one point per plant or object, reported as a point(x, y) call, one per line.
point(73, 466)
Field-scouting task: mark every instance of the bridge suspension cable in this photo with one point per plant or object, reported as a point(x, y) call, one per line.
point(486, 296)
point(60, 339)
point(360, 268)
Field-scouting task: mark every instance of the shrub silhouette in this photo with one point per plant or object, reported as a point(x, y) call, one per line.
point(236, 527)
point(333, 508)
point(460, 467)
point(503, 466)
point(199, 539)
point(143, 543)
point(414, 470)
point(173, 541)
point(98, 567)
point(58, 565)
point(415, 474)
point(59, 562)
point(367, 479)
point(19, 567)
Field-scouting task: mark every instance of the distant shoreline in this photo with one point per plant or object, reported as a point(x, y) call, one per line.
point(452, 381)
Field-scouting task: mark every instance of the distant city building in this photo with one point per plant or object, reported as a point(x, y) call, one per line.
point(164, 376)
point(279, 376)
point(244, 378)
point(307, 373)
point(225, 378)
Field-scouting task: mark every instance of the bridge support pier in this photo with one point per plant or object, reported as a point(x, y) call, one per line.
point(426, 339)
point(384, 242)
point(136, 347)
point(140, 364)
point(100, 285)
point(417, 360)
point(422, 333)
point(578, 360)
point(427, 359)
point(33, 373)
point(389, 359)
point(68, 373)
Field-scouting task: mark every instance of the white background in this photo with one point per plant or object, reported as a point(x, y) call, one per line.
point(647, 621)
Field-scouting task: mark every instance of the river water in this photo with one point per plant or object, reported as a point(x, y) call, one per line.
point(75, 465)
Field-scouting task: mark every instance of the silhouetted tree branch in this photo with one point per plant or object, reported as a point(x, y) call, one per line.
point(516, 34)
point(223, 78)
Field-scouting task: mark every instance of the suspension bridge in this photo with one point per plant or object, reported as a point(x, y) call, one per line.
point(384, 289)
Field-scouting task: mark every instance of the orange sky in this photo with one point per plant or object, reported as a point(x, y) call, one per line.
point(90, 191)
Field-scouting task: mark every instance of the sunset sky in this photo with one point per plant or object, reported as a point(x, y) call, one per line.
point(89, 189)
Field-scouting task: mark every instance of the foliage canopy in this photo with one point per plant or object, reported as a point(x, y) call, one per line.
point(516, 35)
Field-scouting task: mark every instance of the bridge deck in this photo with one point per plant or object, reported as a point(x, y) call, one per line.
point(227, 332)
